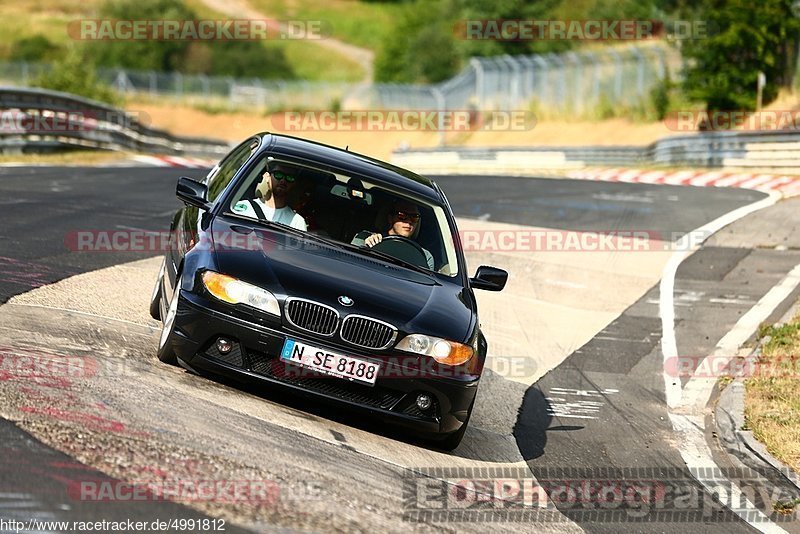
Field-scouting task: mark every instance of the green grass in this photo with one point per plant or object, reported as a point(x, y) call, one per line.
point(52, 17)
point(772, 403)
point(308, 60)
point(46, 17)
point(352, 21)
point(314, 63)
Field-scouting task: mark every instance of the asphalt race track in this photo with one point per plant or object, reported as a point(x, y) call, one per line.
point(599, 415)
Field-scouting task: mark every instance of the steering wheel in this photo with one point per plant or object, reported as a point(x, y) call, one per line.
point(404, 249)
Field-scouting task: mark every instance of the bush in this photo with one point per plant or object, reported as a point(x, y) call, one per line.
point(660, 97)
point(76, 75)
point(36, 48)
point(223, 58)
point(249, 59)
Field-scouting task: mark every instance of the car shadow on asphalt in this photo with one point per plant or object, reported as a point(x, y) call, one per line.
point(314, 409)
point(533, 424)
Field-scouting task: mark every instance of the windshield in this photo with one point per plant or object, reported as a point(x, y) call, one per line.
point(350, 211)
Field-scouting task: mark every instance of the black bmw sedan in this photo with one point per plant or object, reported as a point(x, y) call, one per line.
point(302, 266)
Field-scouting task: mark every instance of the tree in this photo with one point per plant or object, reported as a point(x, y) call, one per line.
point(512, 10)
point(143, 54)
point(421, 47)
point(745, 38)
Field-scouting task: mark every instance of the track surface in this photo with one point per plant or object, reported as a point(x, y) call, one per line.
point(629, 430)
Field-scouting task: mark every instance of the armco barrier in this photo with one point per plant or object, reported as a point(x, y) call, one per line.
point(39, 120)
point(777, 151)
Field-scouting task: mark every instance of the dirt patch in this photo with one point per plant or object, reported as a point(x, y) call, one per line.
point(186, 120)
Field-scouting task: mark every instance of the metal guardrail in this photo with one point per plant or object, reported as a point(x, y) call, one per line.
point(39, 120)
point(774, 150)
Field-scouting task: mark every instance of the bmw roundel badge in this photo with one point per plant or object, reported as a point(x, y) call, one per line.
point(344, 300)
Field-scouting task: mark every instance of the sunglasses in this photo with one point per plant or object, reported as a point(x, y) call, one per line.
point(403, 216)
point(280, 176)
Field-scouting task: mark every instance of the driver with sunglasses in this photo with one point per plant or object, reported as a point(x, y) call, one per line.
point(403, 219)
point(276, 185)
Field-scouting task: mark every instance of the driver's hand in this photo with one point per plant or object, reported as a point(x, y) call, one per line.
point(373, 240)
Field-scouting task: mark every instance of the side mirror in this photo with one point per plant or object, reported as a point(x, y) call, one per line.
point(193, 193)
point(489, 278)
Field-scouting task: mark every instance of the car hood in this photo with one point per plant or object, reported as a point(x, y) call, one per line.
point(289, 266)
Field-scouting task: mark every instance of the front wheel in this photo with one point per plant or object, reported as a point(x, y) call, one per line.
point(155, 298)
point(165, 350)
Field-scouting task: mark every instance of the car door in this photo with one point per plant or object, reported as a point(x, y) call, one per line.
point(187, 224)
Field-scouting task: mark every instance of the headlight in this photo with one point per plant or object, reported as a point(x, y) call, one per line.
point(441, 350)
point(229, 289)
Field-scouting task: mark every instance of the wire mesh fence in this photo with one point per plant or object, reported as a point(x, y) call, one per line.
point(570, 83)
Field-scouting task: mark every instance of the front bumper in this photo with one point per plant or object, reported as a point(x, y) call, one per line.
point(255, 360)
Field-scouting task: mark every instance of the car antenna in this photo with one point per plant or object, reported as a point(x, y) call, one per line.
point(346, 148)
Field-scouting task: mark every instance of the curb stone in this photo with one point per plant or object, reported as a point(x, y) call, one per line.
point(741, 444)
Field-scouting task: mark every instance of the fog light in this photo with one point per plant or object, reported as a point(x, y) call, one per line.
point(424, 401)
point(224, 346)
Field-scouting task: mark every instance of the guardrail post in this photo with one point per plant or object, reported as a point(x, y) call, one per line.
point(206, 85)
point(527, 85)
point(542, 83)
point(577, 83)
point(440, 110)
point(513, 97)
point(594, 97)
point(617, 73)
point(662, 63)
point(480, 80)
point(562, 79)
point(639, 70)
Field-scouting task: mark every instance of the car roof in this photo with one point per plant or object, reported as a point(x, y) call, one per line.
point(349, 162)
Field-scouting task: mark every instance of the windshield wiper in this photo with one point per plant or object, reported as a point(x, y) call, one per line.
point(382, 255)
point(393, 259)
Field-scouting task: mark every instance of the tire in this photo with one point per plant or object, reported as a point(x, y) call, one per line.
point(453, 440)
point(165, 350)
point(155, 298)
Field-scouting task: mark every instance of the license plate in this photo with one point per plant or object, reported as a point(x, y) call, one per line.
point(330, 363)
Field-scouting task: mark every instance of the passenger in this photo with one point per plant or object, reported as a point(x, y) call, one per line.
point(274, 192)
